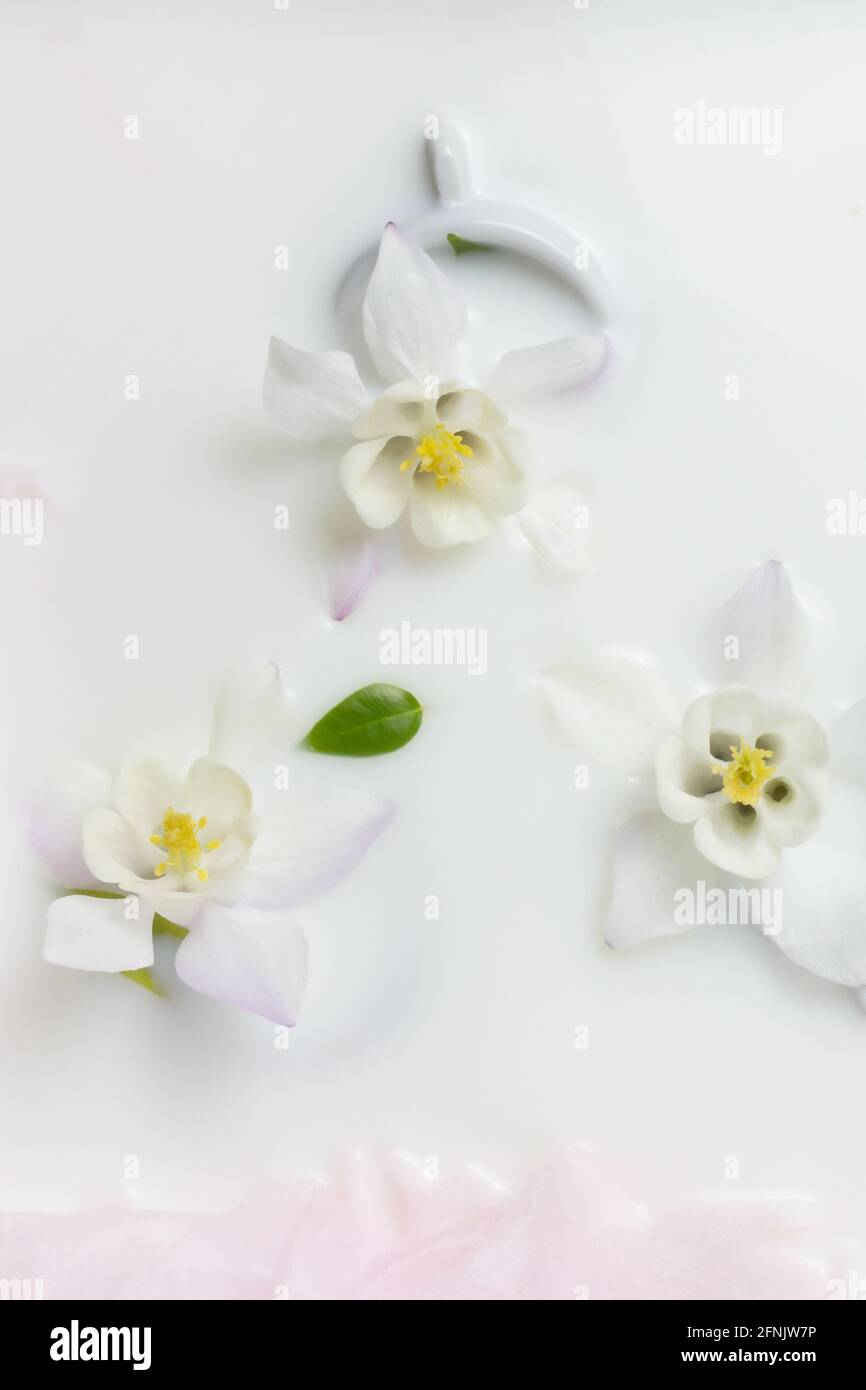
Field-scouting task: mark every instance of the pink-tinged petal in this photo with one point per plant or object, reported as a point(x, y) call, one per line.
point(257, 960)
point(98, 934)
point(548, 367)
point(655, 869)
point(761, 637)
point(355, 567)
point(555, 522)
point(55, 818)
point(413, 315)
point(311, 846)
point(312, 395)
point(254, 724)
point(614, 706)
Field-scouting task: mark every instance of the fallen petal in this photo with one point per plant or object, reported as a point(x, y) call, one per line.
point(555, 521)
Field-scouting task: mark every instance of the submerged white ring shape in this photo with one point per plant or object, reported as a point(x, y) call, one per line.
point(476, 218)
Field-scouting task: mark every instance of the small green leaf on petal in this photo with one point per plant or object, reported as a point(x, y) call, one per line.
point(163, 927)
point(378, 719)
point(459, 245)
point(144, 977)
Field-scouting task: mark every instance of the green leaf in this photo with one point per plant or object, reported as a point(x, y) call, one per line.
point(459, 245)
point(92, 893)
point(144, 977)
point(377, 719)
point(163, 927)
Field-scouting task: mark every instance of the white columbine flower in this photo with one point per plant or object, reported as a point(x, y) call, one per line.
point(748, 774)
point(746, 788)
point(431, 441)
point(219, 851)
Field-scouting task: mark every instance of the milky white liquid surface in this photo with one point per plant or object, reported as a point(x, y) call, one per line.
point(454, 1037)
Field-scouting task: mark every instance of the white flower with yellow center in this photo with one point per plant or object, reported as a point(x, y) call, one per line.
point(748, 773)
point(223, 854)
point(748, 789)
point(431, 442)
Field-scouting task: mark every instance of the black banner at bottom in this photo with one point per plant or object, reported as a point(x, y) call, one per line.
point(67, 1338)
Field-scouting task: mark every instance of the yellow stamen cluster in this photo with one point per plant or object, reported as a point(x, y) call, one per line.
point(744, 776)
point(180, 841)
point(441, 453)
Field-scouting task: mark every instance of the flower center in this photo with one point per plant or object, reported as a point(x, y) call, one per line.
point(746, 774)
point(180, 841)
point(442, 454)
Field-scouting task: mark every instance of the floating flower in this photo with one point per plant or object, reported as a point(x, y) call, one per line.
point(748, 774)
point(431, 441)
point(748, 789)
point(221, 855)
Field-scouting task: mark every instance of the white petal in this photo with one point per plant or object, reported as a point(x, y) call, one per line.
point(496, 475)
point(229, 859)
point(311, 846)
point(795, 818)
point(413, 315)
point(446, 516)
point(685, 783)
point(114, 850)
point(468, 409)
point(715, 723)
point(374, 482)
point(771, 629)
point(739, 845)
point(848, 744)
point(654, 862)
point(55, 820)
point(312, 395)
point(554, 522)
point(401, 411)
point(257, 960)
point(824, 912)
point(143, 792)
point(797, 740)
point(548, 366)
point(96, 934)
point(218, 793)
point(181, 906)
point(254, 722)
point(615, 707)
